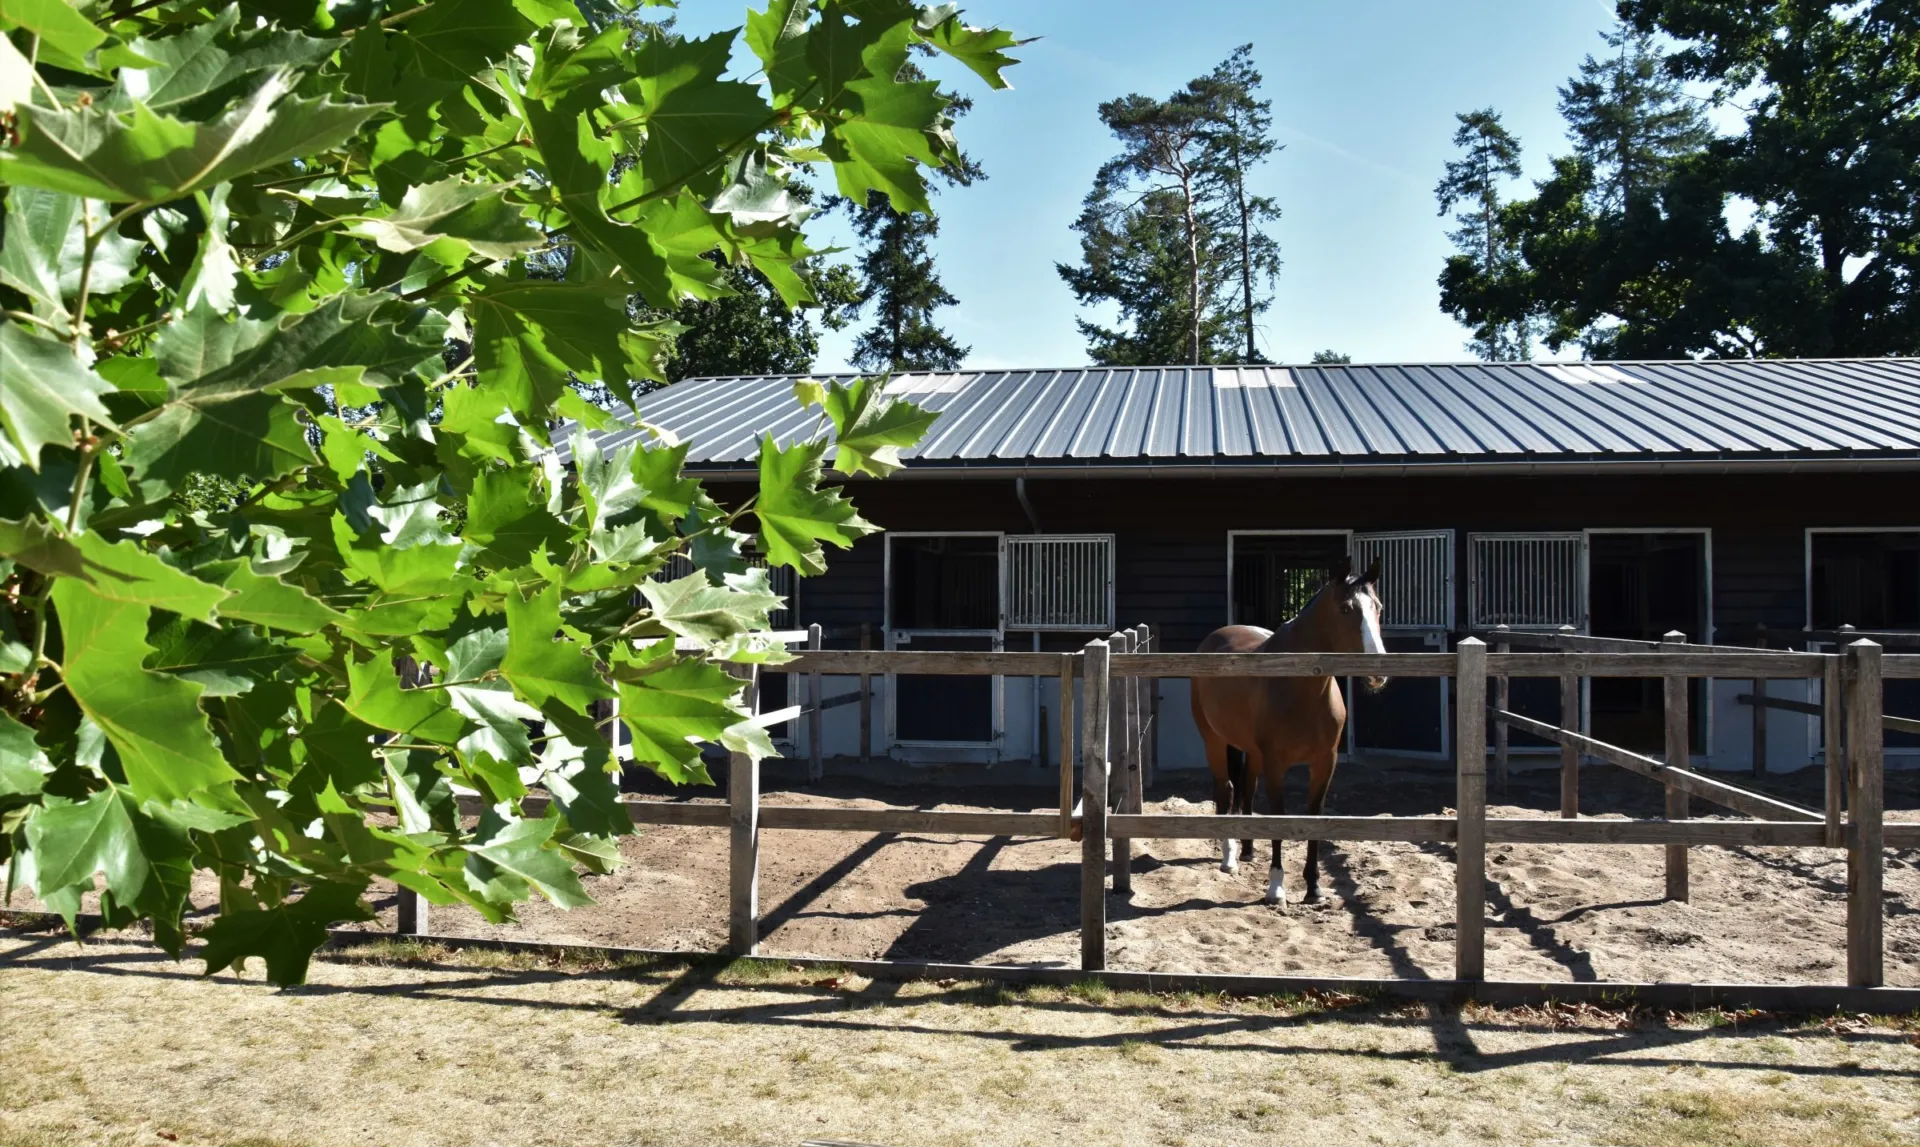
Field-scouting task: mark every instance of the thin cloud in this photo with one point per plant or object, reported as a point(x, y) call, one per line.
point(1332, 148)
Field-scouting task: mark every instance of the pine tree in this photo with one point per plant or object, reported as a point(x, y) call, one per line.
point(751, 331)
point(1629, 118)
point(1331, 358)
point(1470, 191)
point(1170, 231)
point(1241, 139)
point(899, 278)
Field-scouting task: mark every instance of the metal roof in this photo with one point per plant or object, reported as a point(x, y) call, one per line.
point(1641, 415)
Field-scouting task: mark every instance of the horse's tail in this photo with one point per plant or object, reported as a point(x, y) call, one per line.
point(1237, 770)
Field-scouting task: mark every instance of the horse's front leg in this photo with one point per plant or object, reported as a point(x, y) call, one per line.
point(1246, 783)
point(1319, 780)
point(1223, 760)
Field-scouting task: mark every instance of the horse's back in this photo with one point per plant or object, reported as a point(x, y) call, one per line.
point(1235, 639)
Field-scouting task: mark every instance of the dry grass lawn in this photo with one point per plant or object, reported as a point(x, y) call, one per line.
point(112, 1043)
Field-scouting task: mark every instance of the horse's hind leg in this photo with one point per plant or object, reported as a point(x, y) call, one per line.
point(1277, 805)
point(1223, 761)
point(1319, 779)
point(1245, 781)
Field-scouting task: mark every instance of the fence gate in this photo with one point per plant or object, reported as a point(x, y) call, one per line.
point(1416, 591)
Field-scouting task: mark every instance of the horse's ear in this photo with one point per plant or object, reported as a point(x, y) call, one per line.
point(1342, 570)
point(1372, 575)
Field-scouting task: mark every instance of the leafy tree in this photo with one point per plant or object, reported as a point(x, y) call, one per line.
point(236, 250)
point(1629, 119)
point(898, 277)
point(1149, 234)
point(752, 330)
point(1825, 159)
point(1470, 190)
point(1241, 138)
point(1330, 358)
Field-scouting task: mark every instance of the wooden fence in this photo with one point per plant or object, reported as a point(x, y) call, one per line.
point(1116, 719)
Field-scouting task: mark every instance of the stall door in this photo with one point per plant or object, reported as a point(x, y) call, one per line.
point(944, 593)
point(1274, 574)
point(1643, 586)
point(1409, 716)
point(1528, 581)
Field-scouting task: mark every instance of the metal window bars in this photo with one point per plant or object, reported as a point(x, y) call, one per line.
point(1060, 582)
point(1527, 581)
point(1416, 576)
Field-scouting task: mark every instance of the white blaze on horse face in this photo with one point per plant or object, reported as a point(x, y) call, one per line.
point(1370, 622)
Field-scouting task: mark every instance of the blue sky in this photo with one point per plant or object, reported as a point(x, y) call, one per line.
point(1364, 94)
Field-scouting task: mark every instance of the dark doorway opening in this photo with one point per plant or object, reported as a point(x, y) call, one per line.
point(1274, 576)
point(1871, 581)
point(1642, 586)
point(943, 593)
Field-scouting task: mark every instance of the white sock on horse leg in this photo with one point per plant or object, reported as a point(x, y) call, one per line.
point(1229, 855)
point(1276, 886)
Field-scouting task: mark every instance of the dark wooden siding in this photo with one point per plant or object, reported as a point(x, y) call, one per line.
point(1172, 532)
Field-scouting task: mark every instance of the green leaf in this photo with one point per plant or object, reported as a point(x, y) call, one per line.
point(414, 571)
point(692, 114)
point(669, 706)
point(224, 662)
point(509, 521)
point(37, 545)
point(46, 386)
point(543, 666)
point(272, 602)
point(123, 572)
point(24, 766)
point(376, 698)
point(589, 798)
point(209, 58)
point(454, 39)
point(981, 49)
point(284, 936)
point(338, 749)
point(56, 24)
point(779, 37)
point(514, 858)
point(528, 336)
point(475, 214)
point(499, 731)
point(153, 720)
point(45, 244)
point(692, 606)
point(870, 428)
point(795, 514)
point(565, 58)
point(881, 145)
point(138, 156)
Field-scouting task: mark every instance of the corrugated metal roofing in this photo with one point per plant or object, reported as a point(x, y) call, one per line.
point(1730, 412)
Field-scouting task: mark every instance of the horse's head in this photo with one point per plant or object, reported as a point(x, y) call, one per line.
point(1352, 612)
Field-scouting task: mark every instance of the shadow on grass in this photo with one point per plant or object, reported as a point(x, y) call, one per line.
point(820, 997)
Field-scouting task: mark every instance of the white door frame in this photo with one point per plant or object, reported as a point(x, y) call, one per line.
point(896, 638)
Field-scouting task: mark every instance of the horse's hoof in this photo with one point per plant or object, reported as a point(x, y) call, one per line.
point(1312, 896)
point(1229, 869)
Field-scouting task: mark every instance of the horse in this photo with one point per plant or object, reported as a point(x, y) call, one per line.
point(1272, 723)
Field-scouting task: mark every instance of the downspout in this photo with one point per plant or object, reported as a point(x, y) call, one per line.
point(1020, 492)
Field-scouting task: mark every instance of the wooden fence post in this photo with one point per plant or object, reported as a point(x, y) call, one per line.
point(1503, 701)
point(1470, 855)
point(816, 762)
point(1126, 766)
point(1832, 730)
point(410, 914)
point(743, 846)
point(1678, 744)
point(1066, 745)
point(1570, 756)
point(1760, 709)
point(1093, 807)
point(866, 699)
point(1865, 801)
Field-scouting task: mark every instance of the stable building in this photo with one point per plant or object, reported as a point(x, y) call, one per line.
point(1733, 501)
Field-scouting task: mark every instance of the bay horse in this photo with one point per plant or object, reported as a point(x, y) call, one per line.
point(1273, 723)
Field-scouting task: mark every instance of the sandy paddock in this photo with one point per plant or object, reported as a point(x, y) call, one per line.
point(1758, 915)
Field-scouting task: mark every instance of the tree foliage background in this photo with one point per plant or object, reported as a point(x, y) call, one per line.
point(245, 497)
point(1794, 236)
